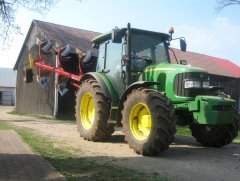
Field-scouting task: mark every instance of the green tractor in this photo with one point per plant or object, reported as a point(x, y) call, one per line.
point(135, 85)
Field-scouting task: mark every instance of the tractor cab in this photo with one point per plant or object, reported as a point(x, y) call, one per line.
point(126, 52)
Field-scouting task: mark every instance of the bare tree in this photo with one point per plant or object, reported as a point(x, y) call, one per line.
point(8, 9)
point(224, 3)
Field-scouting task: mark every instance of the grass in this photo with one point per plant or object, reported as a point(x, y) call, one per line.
point(185, 131)
point(73, 167)
point(40, 116)
point(31, 115)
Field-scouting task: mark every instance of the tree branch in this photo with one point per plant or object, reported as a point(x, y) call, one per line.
point(224, 3)
point(7, 14)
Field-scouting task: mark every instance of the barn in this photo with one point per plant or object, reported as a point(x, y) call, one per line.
point(7, 86)
point(36, 98)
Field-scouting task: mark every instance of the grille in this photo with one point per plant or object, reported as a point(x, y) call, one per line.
point(179, 84)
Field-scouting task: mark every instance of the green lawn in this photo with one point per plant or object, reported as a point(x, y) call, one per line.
point(77, 168)
point(41, 117)
point(31, 115)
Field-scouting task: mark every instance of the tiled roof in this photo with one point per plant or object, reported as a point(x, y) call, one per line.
point(7, 77)
point(213, 65)
point(64, 35)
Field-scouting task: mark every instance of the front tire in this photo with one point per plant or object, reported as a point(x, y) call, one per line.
point(214, 135)
point(148, 121)
point(93, 112)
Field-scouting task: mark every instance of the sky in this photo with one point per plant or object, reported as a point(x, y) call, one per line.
point(206, 30)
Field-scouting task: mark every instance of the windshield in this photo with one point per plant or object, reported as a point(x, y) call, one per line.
point(151, 48)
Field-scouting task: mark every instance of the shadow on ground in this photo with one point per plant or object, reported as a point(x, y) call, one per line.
point(27, 167)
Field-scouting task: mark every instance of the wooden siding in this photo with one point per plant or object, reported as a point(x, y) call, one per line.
point(33, 97)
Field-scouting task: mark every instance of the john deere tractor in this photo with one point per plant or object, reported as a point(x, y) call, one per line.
point(136, 85)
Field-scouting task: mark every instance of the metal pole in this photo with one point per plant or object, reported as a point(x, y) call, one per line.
point(128, 66)
point(55, 111)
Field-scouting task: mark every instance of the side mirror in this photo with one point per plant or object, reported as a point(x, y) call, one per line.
point(183, 45)
point(117, 35)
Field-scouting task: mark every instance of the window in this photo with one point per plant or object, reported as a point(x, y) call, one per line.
point(113, 57)
point(100, 63)
point(147, 50)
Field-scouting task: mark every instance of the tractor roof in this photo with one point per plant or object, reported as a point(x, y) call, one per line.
point(107, 36)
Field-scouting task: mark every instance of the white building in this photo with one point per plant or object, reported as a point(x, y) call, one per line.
point(7, 86)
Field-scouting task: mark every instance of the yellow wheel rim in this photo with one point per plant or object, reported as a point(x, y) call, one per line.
point(87, 111)
point(140, 121)
point(31, 61)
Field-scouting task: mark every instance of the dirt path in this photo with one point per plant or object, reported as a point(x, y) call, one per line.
point(185, 160)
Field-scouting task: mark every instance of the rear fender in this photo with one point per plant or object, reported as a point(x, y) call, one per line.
point(107, 88)
point(100, 81)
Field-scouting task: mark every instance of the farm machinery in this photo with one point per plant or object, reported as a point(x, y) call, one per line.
point(132, 83)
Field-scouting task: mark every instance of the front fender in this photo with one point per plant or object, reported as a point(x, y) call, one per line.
point(105, 84)
point(128, 91)
point(95, 76)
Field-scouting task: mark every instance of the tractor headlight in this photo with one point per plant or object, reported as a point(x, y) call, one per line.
point(192, 84)
point(205, 84)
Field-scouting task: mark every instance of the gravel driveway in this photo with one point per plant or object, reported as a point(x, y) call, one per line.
point(185, 160)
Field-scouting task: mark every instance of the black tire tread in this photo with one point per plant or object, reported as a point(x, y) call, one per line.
point(221, 136)
point(101, 129)
point(163, 134)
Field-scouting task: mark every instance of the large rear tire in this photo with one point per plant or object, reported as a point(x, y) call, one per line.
point(214, 135)
point(93, 112)
point(148, 121)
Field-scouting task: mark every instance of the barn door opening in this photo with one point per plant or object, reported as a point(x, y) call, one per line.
point(0, 97)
